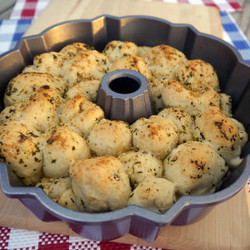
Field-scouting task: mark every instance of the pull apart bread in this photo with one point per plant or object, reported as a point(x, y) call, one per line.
point(55, 137)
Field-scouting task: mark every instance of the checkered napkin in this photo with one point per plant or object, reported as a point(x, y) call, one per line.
point(233, 35)
point(11, 31)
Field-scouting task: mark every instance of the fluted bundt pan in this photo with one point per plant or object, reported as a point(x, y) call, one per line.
point(234, 78)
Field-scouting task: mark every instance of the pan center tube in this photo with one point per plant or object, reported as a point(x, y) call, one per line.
point(125, 95)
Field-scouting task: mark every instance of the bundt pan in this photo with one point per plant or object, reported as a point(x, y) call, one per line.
point(234, 77)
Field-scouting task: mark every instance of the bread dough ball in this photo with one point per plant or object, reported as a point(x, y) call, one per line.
point(81, 115)
point(163, 61)
point(20, 151)
point(72, 49)
point(156, 90)
point(54, 187)
point(110, 138)
point(243, 136)
point(175, 95)
point(84, 66)
point(226, 104)
point(118, 49)
point(50, 63)
point(23, 86)
point(74, 63)
point(39, 112)
point(220, 133)
point(68, 200)
point(140, 165)
point(87, 88)
point(133, 63)
point(156, 194)
point(61, 147)
point(143, 50)
point(156, 135)
point(59, 190)
point(100, 184)
point(13, 112)
point(182, 120)
point(196, 74)
point(195, 168)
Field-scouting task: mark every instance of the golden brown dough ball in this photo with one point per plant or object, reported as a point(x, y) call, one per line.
point(118, 49)
point(195, 168)
point(68, 200)
point(220, 133)
point(39, 112)
point(243, 136)
point(100, 184)
point(163, 61)
point(50, 62)
point(87, 88)
point(182, 120)
point(54, 187)
point(110, 138)
point(140, 165)
point(20, 151)
point(156, 135)
point(12, 112)
point(133, 63)
point(59, 190)
point(61, 147)
point(81, 115)
point(156, 90)
point(196, 74)
point(175, 95)
point(24, 86)
point(155, 194)
point(143, 50)
point(74, 63)
point(226, 104)
point(85, 65)
point(72, 49)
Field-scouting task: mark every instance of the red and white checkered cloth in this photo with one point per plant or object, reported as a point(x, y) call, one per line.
point(32, 240)
point(29, 9)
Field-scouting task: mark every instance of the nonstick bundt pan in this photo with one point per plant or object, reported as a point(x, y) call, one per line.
point(234, 78)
